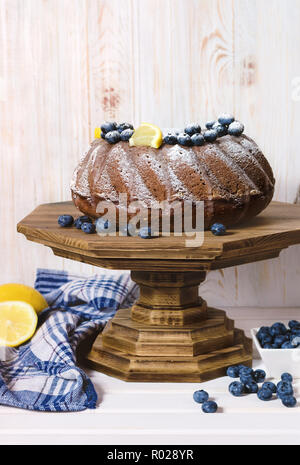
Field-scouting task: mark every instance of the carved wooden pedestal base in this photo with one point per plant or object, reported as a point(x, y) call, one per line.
point(169, 334)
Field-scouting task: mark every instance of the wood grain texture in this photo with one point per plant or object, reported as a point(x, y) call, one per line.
point(66, 65)
point(277, 228)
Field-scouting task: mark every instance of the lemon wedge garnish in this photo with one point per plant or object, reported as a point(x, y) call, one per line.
point(18, 322)
point(24, 294)
point(97, 133)
point(148, 135)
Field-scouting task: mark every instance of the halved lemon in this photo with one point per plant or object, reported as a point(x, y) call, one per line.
point(148, 135)
point(23, 293)
point(18, 322)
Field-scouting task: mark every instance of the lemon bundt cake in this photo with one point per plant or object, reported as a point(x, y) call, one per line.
point(220, 166)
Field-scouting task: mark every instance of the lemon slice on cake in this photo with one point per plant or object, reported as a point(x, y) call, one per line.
point(148, 135)
point(97, 133)
point(23, 293)
point(18, 321)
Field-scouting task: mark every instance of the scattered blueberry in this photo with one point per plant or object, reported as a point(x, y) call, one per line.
point(218, 229)
point(210, 135)
point(241, 366)
point(233, 372)
point(200, 396)
point(289, 401)
point(170, 139)
point(236, 129)
point(251, 387)
point(103, 226)
point(108, 127)
point(126, 134)
point(185, 140)
point(284, 388)
point(221, 129)
point(146, 233)
point(80, 220)
point(265, 394)
point(226, 119)
point(123, 127)
point(128, 230)
point(259, 376)
point(112, 137)
point(246, 371)
point(270, 385)
point(88, 228)
point(198, 140)
point(246, 378)
point(210, 124)
point(65, 221)
point(287, 377)
point(210, 407)
point(236, 388)
point(192, 129)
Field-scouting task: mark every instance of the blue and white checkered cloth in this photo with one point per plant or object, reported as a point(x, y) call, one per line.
point(42, 374)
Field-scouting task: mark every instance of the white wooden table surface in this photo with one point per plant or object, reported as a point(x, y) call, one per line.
point(141, 413)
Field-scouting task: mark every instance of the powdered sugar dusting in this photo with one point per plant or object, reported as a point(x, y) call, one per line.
point(174, 172)
point(79, 182)
point(254, 152)
point(231, 158)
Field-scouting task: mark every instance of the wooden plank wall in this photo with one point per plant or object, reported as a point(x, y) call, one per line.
point(67, 65)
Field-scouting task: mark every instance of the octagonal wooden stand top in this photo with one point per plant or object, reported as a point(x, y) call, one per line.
point(169, 334)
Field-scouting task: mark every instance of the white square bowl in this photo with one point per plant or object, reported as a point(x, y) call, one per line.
point(278, 361)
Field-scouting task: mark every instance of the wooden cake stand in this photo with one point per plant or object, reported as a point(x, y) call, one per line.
point(169, 334)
